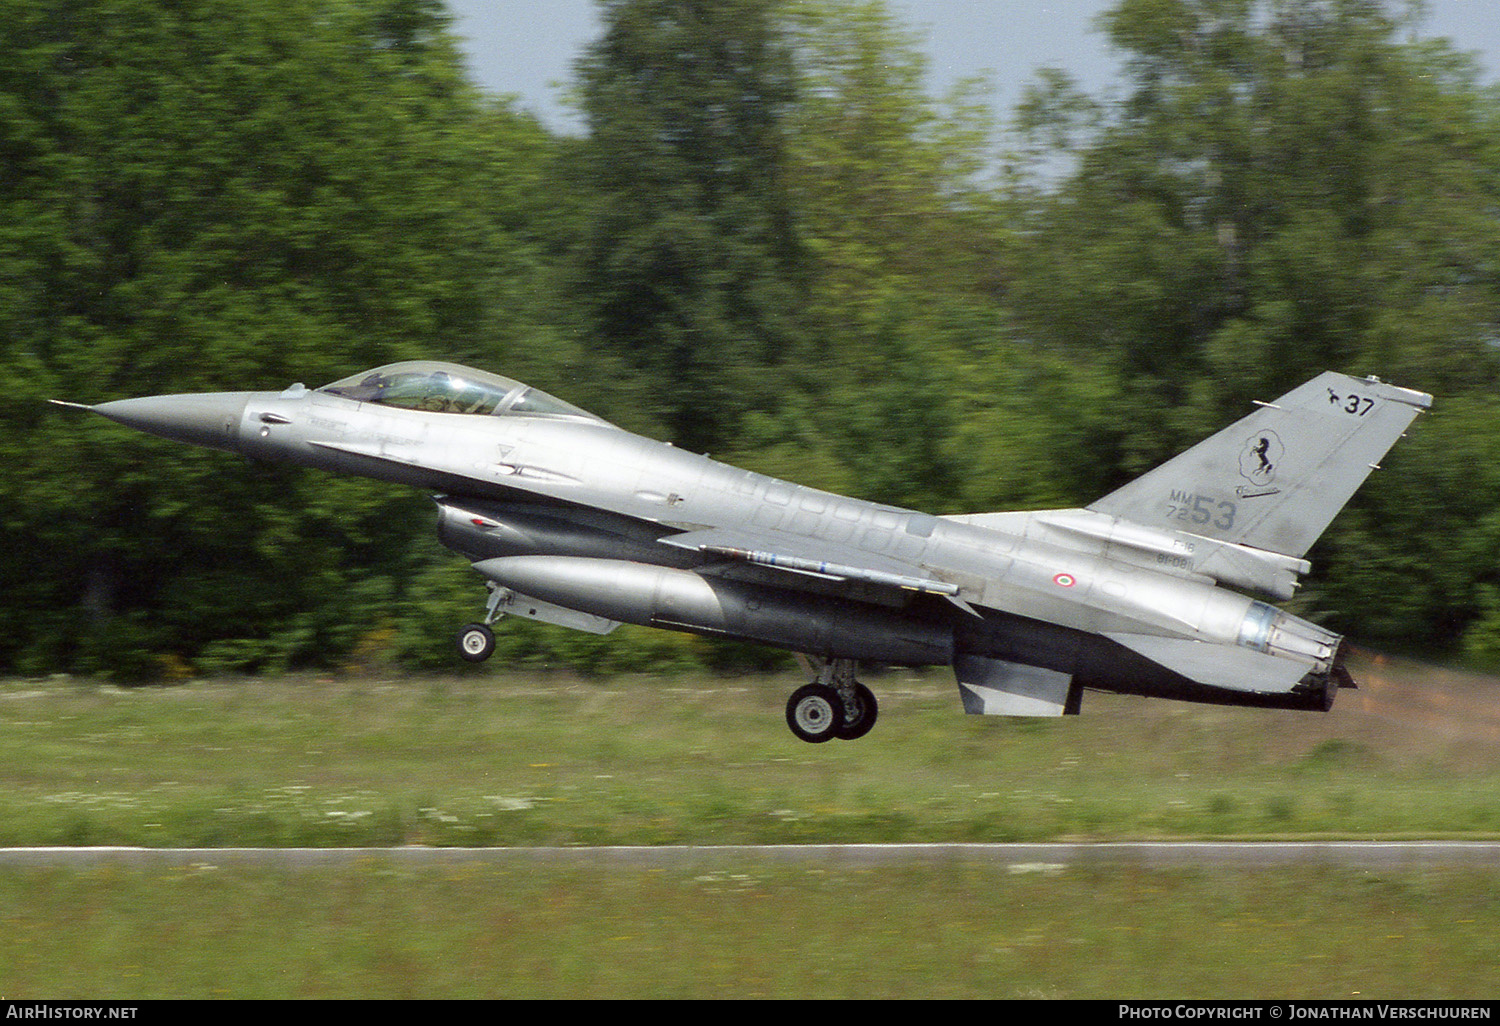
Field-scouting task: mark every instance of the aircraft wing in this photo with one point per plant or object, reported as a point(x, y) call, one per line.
point(797, 555)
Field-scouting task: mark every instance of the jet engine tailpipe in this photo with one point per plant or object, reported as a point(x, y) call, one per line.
point(1275, 632)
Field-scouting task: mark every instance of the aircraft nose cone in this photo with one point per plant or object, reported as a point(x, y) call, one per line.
point(205, 418)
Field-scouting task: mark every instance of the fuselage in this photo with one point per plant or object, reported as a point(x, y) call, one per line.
point(578, 514)
point(578, 487)
point(573, 521)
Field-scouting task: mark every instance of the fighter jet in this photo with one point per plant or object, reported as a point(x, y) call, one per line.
point(1159, 588)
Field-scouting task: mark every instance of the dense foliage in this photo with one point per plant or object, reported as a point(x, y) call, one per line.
point(770, 242)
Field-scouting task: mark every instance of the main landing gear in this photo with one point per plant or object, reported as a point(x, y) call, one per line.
point(833, 706)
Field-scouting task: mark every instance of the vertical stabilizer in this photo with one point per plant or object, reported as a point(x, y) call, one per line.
point(1275, 479)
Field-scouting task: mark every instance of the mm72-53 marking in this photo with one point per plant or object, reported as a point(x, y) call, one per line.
point(1190, 508)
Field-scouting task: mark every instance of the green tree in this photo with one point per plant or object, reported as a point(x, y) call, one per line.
point(899, 214)
point(893, 189)
point(1286, 186)
point(1417, 560)
point(222, 196)
point(1282, 186)
point(689, 260)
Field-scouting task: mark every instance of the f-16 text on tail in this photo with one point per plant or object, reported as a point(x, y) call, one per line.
point(574, 521)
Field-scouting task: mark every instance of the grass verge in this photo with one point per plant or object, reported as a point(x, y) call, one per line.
point(512, 760)
point(951, 931)
point(552, 760)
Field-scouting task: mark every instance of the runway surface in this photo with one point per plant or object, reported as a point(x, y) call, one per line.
point(1366, 855)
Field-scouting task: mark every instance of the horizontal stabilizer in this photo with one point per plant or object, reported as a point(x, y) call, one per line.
point(1220, 666)
point(995, 687)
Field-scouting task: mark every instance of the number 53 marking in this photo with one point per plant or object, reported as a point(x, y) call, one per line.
point(1201, 509)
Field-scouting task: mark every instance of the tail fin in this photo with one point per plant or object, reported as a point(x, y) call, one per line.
point(1275, 479)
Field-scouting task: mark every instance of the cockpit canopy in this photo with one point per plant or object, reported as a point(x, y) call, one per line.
point(449, 388)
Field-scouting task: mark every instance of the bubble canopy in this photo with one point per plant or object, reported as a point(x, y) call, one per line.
point(449, 388)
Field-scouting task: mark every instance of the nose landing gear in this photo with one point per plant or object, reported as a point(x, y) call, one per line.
point(476, 642)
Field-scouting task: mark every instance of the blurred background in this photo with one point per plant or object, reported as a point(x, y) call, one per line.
point(776, 231)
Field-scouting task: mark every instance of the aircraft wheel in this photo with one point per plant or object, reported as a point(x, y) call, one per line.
point(476, 642)
point(849, 730)
point(815, 713)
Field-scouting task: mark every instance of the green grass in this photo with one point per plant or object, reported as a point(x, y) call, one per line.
point(512, 760)
point(948, 931)
point(519, 760)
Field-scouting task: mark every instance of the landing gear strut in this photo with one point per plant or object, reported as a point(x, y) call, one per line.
point(833, 706)
point(476, 642)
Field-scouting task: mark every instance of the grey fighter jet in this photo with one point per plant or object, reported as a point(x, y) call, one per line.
point(574, 521)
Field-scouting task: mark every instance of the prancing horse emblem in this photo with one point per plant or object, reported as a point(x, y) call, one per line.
point(1260, 457)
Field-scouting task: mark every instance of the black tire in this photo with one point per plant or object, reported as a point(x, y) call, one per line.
point(475, 643)
point(815, 713)
point(869, 709)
